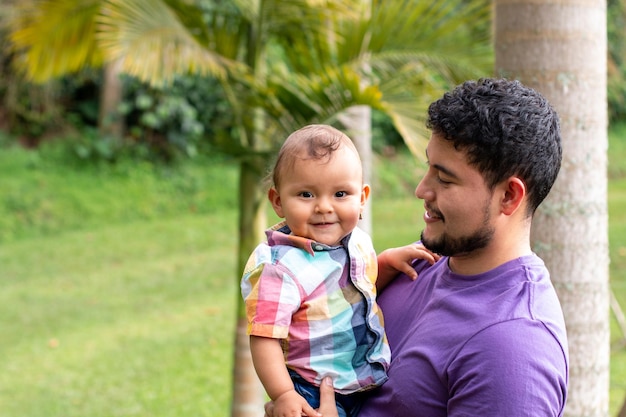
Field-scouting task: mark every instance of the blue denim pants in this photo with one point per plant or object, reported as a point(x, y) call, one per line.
point(347, 405)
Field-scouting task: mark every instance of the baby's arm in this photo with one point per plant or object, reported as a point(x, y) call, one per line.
point(393, 261)
point(269, 364)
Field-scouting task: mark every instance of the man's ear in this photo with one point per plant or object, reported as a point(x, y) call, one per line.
point(514, 193)
point(274, 198)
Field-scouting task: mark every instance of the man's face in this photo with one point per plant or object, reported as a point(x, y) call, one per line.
point(457, 201)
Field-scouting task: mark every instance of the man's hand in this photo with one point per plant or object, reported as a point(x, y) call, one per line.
point(328, 408)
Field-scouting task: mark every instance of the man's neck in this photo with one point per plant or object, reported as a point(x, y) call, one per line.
point(486, 259)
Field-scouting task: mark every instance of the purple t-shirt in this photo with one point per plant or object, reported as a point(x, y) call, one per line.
point(492, 344)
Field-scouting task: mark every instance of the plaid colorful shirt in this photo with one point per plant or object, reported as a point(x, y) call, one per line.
point(320, 301)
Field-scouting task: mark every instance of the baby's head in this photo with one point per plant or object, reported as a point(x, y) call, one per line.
point(312, 142)
point(318, 184)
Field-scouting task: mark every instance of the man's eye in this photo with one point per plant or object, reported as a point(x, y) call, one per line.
point(441, 180)
point(341, 194)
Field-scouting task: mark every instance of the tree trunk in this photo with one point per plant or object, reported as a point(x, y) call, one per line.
point(357, 121)
point(110, 122)
point(622, 411)
point(248, 393)
point(559, 48)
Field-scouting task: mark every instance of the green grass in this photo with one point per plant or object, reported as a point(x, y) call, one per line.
point(128, 320)
point(119, 282)
point(43, 195)
point(617, 251)
point(117, 288)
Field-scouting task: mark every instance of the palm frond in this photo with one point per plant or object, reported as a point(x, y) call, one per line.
point(293, 99)
point(152, 42)
point(51, 43)
point(425, 23)
point(406, 98)
point(222, 27)
point(451, 69)
point(412, 51)
point(436, 27)
point(305, 16)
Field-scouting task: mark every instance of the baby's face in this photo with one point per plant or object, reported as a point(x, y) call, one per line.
point(322, 199)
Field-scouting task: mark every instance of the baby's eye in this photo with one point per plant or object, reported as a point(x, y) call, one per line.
point(306, 194)
point(341, 194)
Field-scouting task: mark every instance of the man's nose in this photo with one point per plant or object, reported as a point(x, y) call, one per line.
point(423, 191)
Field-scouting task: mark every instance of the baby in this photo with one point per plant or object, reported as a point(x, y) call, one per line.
point(310, 290)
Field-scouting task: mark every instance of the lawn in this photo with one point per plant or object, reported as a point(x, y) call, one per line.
point(617, 251)
point(118, 288)
point(119, 281)
point(127, 320)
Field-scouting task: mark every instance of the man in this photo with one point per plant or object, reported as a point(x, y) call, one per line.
point(481, 332)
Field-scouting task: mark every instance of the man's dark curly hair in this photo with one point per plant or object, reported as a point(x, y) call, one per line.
point(506, 129)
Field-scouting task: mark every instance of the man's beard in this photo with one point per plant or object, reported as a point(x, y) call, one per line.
point(448, 246)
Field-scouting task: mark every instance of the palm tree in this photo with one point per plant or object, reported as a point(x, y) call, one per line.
point(550, 46)
point(282, 64)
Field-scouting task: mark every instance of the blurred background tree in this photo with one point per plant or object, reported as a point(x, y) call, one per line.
point(616, 60)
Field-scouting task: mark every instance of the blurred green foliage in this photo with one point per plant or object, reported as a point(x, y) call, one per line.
point(46, 191)
point(616, 28)
point(180, 120)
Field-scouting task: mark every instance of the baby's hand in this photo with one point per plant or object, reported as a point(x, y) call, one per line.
point(292, 404)
point(401, 258)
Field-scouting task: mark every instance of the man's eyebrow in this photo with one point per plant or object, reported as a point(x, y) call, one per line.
point(445, 170)
point(441, 168)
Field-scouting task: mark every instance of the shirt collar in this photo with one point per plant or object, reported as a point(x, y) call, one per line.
point(280, 234)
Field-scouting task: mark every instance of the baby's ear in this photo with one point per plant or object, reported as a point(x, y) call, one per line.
point(274, 198)
point(365, 193)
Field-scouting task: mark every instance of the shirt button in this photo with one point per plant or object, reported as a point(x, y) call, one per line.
point(318, 247)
